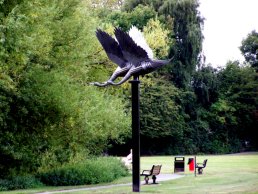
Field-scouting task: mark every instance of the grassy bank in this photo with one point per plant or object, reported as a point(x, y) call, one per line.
point(233, 173)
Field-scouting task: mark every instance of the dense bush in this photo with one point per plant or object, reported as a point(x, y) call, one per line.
point(48, 112)
point(19, 182)
point(90, 171)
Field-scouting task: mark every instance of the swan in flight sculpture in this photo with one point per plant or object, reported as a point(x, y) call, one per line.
point(130, 52)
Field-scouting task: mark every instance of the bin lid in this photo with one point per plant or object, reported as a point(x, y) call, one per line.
point(181, 158)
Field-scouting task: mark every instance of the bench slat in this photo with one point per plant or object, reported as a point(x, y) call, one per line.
point(155, 170)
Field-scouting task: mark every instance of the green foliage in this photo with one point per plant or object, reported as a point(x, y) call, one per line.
point(106, 4)
point(49, 116)
point(227, 99)
point(239, 87)
point(49, 33)
point(138, 17)
point(159, 112)
point(6, 6)
point(157, 37)
point(62, 117)
point(19, 182)
point(129, 5)
point(205, 85)
point(46, 52)
point(98, 170)
point(188, 38)
point(184, 20)
point(249, 49)
point(161, 117)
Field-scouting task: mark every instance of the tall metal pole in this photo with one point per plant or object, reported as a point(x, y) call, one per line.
point(195, 165)
point(136, 132)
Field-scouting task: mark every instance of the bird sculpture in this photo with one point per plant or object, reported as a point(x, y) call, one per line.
point(130, 52)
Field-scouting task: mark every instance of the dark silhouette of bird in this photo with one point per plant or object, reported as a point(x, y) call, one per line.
point(132, 54)
point(114, 53)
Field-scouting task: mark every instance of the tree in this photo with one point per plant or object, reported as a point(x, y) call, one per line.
point(137, 17)
point(48, 115)
point(157, 37)
point(163, 36)
point(249, 49)
point(238, 86)
point(107, 4)
point(6, 6)
point(184, 20)
point(187, 24)
point(205, 85)
point(160, 117)
point(129, 5)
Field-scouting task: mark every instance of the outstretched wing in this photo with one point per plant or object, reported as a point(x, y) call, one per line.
point(139, 39)
point(111, 47)
point(131, 51)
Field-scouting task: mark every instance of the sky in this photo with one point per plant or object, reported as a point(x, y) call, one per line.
point(227, 23)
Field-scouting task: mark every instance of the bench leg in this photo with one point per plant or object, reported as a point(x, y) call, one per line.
point(200, 170)
point(154, 179)
point(146, 179)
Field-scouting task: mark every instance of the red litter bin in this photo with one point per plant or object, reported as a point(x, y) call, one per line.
point(191, 164)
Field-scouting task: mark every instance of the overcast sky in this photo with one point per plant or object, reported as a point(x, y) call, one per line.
point(226, 23)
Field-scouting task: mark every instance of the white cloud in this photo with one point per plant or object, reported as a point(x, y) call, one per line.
point(227, 22)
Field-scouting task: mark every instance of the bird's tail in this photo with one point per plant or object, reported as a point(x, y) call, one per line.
point(164, 62)
point(171, 59)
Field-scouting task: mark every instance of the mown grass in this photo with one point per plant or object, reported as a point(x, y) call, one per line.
point(233, 173)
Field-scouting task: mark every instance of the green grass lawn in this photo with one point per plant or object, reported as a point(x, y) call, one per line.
point(233, 173)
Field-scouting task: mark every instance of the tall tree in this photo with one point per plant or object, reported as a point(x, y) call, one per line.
point(238, 86)
point(183, 18)
point(187, 24)
point(205, 85)
point(184, 35)
point(249, 49)
point(160, 118)
point(47, 114)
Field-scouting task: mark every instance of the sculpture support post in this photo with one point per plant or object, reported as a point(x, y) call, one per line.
point(136, 132)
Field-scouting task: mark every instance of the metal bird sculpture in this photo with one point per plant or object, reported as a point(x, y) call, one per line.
point(114, 53)
point(131, 53)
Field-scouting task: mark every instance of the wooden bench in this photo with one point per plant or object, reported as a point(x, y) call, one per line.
point(201, 166)
point(155, 170)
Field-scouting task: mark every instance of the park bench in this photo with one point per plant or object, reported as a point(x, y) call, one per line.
point(155, 170)
point(201, 166)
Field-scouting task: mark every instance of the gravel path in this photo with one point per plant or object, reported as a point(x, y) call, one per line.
point(160, 178)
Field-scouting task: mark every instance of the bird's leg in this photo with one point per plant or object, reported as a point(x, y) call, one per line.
point(118, 72)
point(133, 70)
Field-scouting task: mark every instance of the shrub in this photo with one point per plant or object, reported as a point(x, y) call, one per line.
point(19, 182)
point(90, 171)
point(4, 185)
